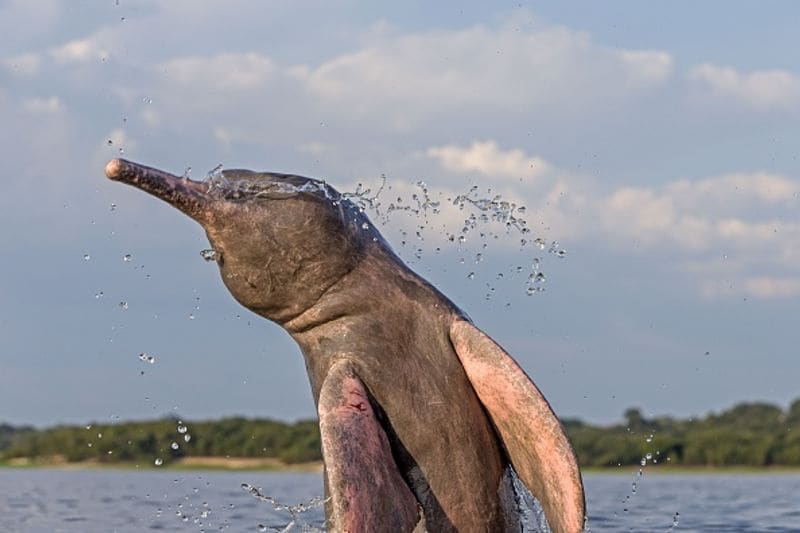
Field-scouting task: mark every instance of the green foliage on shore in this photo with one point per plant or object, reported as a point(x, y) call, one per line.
point(169, 439)
point(749, 434)
point(8, 433)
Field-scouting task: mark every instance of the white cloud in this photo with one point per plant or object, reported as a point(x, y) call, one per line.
point(230, 72)
point(485, 157)
point(718, 226)
point(409, 77)
point(766, 287)
point(649, 217)
point(735, 216)
point(27, 64)
point(736, 189)
point(80, 51)
point(647, 66)
point(228, 136)
point(760, 89)
point(762, 287)
point(736, 210)
point(51, 104)
point(693, 214)
point(773, 288)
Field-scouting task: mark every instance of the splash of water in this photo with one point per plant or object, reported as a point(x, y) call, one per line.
point(294, 509)
point(495, 208)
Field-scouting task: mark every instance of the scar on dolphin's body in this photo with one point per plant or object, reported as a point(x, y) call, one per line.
point(422, 415)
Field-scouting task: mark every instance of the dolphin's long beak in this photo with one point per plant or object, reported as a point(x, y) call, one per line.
point(189, 196)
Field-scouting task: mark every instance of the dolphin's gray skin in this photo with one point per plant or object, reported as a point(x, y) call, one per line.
point(420, 412)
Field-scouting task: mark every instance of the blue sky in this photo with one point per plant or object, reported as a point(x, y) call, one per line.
point(658, 144)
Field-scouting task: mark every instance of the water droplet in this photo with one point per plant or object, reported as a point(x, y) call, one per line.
point(215, 173)
point(478, 258)
point(127, 258)
point(648, 456)
point(86, 257)
point(262, 527)
point(113, 207)
point(147, 358)
point(191, 316)
point(364, 226)
point(158, 461)
point(649, 438)
point(174, 446)
point(540, 243)
point(123, 305)
point(98, 295)
point(471, 275)
point(182, 429)
point(208, 254)
point(110, 142)
point(187, 437)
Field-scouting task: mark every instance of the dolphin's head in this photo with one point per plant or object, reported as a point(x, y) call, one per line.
point(281, 241)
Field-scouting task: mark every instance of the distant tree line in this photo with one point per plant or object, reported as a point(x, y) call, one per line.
point(8, 432)
point(169, 439)
point(749, 434)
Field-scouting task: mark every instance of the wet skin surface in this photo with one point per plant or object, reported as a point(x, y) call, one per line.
point(294, 251)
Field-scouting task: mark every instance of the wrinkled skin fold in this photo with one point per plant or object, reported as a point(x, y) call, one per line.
point(421, 413)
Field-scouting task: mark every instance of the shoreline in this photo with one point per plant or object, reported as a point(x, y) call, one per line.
point(229, 464)
point(233, 464)
point(688, 469)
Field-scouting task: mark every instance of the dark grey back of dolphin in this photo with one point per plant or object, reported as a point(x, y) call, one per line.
point(420, 412)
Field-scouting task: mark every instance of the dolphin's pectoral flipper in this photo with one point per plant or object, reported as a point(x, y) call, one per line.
point(531, 433)
point(366, 491)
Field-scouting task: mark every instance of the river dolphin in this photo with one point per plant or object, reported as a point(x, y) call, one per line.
point(422, 415)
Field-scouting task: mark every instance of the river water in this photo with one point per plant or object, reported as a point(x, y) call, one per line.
point(53, 500)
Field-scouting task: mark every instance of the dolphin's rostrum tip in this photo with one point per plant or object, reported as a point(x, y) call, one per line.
point(114, 169)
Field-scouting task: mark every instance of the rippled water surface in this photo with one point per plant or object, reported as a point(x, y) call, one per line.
point(119, 500)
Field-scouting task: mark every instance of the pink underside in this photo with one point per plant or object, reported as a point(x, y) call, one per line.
point(366, 489)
